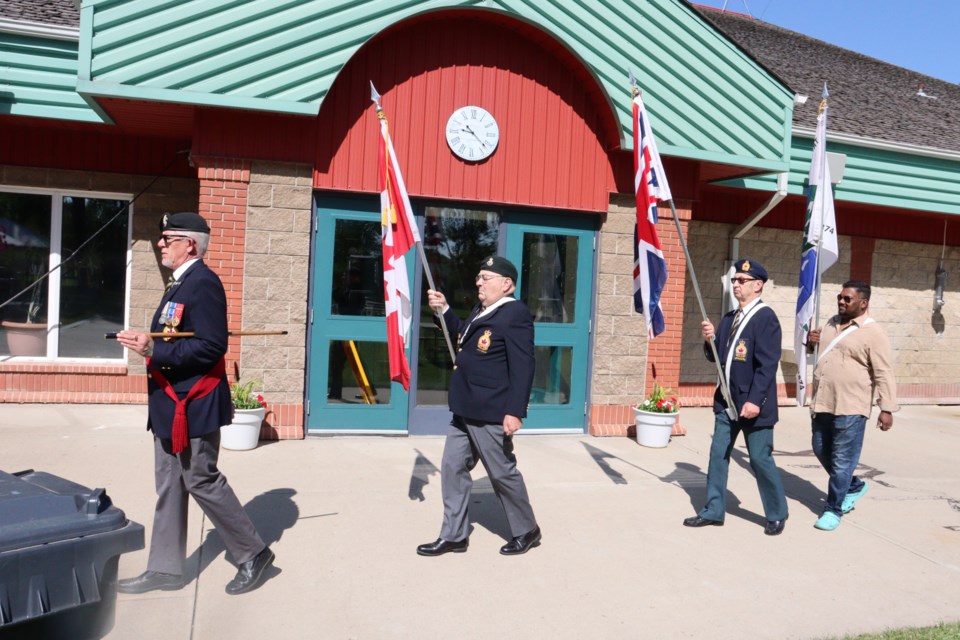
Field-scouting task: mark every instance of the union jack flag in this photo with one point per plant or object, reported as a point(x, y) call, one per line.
point(650, 185)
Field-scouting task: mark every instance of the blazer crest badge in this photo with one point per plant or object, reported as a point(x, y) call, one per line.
point(484, 342)
point(740, 352)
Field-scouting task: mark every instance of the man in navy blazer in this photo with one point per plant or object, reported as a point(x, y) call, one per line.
point(748, 343)
point(188, 401)
point(488, 395)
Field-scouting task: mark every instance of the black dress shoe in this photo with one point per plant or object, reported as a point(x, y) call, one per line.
point(774, 527)
point(522, 544)
point(250, 573)
point(442, 546)
point(150, 581)
point(697, 521)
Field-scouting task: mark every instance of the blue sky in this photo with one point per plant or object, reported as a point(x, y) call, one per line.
point(921, 35)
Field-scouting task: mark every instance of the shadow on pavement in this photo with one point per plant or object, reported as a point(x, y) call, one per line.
point(272, 513)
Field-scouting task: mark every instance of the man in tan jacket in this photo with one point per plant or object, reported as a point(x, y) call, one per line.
point(854, 365)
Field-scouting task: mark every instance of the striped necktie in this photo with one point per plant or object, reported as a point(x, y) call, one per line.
point(736, 325)
point(170, 282)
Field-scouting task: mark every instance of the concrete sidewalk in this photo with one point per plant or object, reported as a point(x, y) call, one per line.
point(345, 514)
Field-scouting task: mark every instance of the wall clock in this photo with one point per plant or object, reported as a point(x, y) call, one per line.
point(472, 133)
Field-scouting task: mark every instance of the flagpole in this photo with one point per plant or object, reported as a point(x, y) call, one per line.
point(375, 98)
point(443, 322)
point(724, 389)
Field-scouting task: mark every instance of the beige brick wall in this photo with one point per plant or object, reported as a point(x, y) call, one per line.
point(926, 346)
point(276, 272)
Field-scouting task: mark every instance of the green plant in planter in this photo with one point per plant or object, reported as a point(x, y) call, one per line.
point(658, 402)
point(243, 396)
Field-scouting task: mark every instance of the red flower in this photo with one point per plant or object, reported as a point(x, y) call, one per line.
point(261, 400)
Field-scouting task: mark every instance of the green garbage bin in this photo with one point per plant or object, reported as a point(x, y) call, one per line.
point(60, 544)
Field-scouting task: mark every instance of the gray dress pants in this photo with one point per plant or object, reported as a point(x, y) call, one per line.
point(194, 473)
point(467, 443)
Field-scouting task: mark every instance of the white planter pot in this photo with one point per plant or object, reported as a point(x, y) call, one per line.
point(244, 432)
point(654, 429)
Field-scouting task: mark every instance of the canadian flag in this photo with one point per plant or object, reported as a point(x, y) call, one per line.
point(399, 234)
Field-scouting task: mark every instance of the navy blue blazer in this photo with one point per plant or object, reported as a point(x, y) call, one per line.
point(182, 362)
point(493, 373)
point(753, 368)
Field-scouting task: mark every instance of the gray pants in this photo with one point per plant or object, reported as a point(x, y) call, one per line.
point(470, 442)
point(194, 473)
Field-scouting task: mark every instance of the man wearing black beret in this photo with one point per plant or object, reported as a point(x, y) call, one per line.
point(748, 343)
point(188, 401)
point(488, 395)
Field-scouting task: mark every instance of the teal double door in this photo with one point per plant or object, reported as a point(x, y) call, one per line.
point(349, 387)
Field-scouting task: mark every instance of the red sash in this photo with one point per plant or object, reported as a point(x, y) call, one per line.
point(203, 386)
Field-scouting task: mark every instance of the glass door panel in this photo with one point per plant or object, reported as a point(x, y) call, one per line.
point(455, 240)
point(555, 259)
point(349, 374)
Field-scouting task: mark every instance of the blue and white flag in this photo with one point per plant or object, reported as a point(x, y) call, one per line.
point(650, 185)
point(820, 250)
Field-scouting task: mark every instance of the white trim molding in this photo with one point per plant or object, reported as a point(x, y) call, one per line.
point(876, 143)
point(39, 29)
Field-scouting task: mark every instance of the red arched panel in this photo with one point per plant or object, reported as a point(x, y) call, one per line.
point(555, 129)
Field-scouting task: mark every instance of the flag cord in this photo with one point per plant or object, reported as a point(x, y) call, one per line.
point(724, 389)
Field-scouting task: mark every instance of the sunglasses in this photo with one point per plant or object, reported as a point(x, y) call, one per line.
point(168, 240)
point(847, 299)
point(741, 280)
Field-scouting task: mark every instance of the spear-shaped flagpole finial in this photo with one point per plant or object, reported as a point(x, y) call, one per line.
point(633, 82)
point(374, 96)
point(825, 93)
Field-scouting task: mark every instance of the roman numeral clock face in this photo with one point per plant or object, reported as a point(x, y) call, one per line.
point(472, 133)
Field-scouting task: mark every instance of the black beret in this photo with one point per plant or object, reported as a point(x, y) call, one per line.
point(184, 221)
point(751, 268)
point(500, 266)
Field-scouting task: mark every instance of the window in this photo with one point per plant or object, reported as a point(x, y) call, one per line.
point(65, 314)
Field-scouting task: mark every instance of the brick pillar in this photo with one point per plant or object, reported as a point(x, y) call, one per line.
point(223, 204)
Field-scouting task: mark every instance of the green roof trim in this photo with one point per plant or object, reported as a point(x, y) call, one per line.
point(880, 177)
point(706, 98)
point(38, 79)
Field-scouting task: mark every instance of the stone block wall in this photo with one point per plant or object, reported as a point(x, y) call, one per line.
point(276, 273)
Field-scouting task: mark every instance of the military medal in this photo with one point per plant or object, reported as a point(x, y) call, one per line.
point(484, 342)
point(170, 317)
point(740, 352)
point(172, 314)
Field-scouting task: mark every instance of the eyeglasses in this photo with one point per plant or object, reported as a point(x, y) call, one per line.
point(740, 281)
point(168, 240)
point(485, 277)
point(847, 299)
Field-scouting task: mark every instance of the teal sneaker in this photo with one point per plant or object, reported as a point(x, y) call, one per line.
point(851, 499)
point(828, 521)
